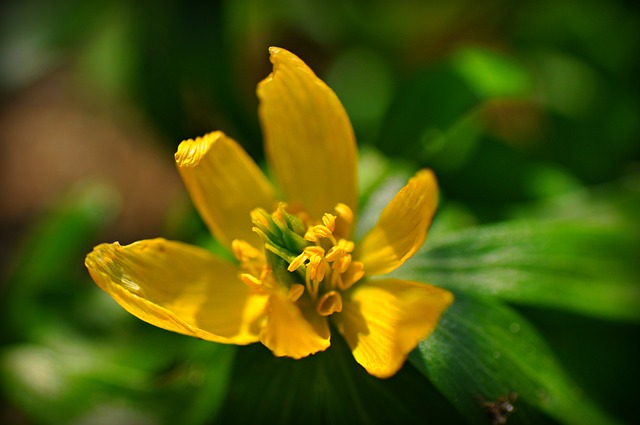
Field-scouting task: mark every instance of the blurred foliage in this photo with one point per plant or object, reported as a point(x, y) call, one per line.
point(528, 113)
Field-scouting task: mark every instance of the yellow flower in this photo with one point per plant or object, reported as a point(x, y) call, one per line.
point(298, 269)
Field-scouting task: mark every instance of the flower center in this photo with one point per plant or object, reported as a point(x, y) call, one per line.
point(309, 258)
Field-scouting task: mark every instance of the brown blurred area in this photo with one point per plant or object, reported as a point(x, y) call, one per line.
point(55, 136)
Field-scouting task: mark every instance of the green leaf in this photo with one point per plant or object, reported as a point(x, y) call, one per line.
point(435, 117)
point(492, 74)
point(483, 350)
point(431, 103)
point(581, 264)
point(48, 266)
point(346, 78)
point(327, 388)
point(380, 180)
point(155, 378)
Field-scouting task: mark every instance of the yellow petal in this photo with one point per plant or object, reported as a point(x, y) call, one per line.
point(383, 320)
point(179, 287)
point(308, 136)
point(292, 331)
point(225, 185)
point(402, 226)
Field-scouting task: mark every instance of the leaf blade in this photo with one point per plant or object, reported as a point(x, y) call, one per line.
point(483, 349)
point(582, 266)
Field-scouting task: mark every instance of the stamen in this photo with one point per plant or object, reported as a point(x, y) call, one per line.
point(329, 303)
point(317, 267)
point(344, 212)
point(348, 246)
point(295, 292)
point(266, 277)
point(244, 251)
point(251, 281)
point(315, 250)
point(329, 221)
point(308, 252)
point(340, 250)
point(297, 262)
point(334, 253)
point(326, 264)
point(342, 264)
point(317, 232)
point(312, 286)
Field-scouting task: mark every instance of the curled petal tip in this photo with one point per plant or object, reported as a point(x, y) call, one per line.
point(190, 152)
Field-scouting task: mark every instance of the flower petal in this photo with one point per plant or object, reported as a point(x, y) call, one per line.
point(292, 333)
point(179, 287)
point(402, 226)
point(308, 136)
point(225, 185)
point(383, 320)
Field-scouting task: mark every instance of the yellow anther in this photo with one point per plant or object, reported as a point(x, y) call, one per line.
point(342, 264)
point(297, 262)
point(334, 253)
point(308, 252)
point(317, 267)
point(251, 281)
point(344, 212)
point(327, 263)
point(266, 276)
point(295, 292)
point(314, 250)
point(236, 248)
point(244, 251)
point(348, 246)
point(317, 232)
point(329, 303)
point(329, 221)
point(340, 250)
point(311, 236)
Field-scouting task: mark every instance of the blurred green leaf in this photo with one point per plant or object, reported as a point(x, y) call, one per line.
point(432, 101)
point(53, 386)
point(601, 355)
point(109, 56)
point(482, 350)
point(380, 179)
point(434, 118)
point(195, 388)
point(363, 81)
point(448, 149)
point(35, 34)
point(157, 378)
point(581, 263)
point(603, 32)
point(50, 261)
point(327, 388)
point(492, 74)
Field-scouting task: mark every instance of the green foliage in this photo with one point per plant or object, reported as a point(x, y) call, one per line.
point(585, 263)
point(483, 350)
point(329, 387)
